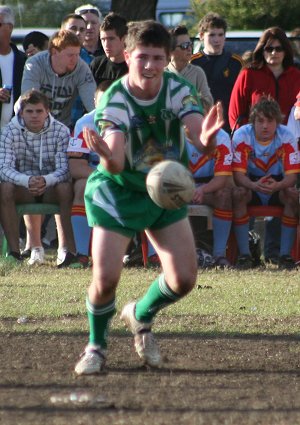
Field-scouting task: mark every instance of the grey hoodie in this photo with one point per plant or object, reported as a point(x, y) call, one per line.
point(24, 154)
point(62, 91)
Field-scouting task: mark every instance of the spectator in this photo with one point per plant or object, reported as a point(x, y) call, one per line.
point(142, 105)
point(220, 66)
point(265, 166)
point(294, 119)
point(212, 174)
point(36, 174)
point(77, 24)
point(181, 53)
point(35, 42)
point(93, 18)
point(271, 72)
point(12, 63)
point(296, 45)
point(111, 65)
point(82, 163)
point(61, 75)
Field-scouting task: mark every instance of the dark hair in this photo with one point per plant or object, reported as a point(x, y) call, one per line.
point(175, 32)
point(268, 36)
point(34, 97)
point(72, 16)
point(114, 21)
point(212, 20)
point(148, 33)
point(37, 38)
point(267, 106)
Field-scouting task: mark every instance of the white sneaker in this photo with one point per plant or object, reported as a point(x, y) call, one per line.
point(144, 341)
point(61, 255)
point(92, 361)
point(36, 256)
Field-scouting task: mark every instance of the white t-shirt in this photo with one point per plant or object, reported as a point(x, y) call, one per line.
point(6, 67)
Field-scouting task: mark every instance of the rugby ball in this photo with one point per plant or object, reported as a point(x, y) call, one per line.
point(170, 185)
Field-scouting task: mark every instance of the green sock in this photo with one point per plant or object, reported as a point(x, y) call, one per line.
point(159, 295)
point(99, 319)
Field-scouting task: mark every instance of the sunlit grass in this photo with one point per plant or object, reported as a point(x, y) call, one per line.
point(232, 302)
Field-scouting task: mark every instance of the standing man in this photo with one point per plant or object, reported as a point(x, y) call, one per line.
point(93, 18)
point(221, 67)
point(181, 53)
point(139, 118)
point(112, 65)
point(77, 24)
point(61, 74)
point(12, 63)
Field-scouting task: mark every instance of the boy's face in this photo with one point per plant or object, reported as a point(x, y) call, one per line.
point(34, 116)
point(112, 44)
point(213, 40)
point(66, 59)
point(78, 27)
point(264, 128)
point(146, 65)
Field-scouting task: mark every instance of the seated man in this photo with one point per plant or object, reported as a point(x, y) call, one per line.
point(34, 169)
point(82, 163)
point(212, 174)
point(265, 167)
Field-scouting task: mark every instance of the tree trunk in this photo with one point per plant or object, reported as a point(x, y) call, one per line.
point(135, 10)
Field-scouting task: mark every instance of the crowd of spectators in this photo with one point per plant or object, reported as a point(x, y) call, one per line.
point(53, 83)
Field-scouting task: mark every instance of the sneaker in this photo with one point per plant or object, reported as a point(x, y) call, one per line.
point(286, 262)
point(66, 261)
point(272, 260)
point(61, 255)
point(92, 361)
point(14, 257)
point(244, 262)
point(26, 253)
point(36, 256)
point(222, 263)
point(80, 262)
point(144, 341)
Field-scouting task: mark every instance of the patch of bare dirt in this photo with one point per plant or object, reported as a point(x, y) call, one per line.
point(211, 381)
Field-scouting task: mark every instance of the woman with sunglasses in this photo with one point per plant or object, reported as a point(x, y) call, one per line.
point(271, 72)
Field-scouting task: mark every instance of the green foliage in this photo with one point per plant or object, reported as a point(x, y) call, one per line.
point(43, 14)
point(256, 14)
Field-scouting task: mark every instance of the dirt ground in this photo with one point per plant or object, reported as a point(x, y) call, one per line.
point(210, 381)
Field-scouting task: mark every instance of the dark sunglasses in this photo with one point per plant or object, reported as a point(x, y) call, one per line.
point(185, 45)
point(84, 11)
point(271, 49)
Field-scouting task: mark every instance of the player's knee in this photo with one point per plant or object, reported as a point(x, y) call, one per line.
point(224, 198)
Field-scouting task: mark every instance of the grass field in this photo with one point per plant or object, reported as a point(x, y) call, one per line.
point(241, 326)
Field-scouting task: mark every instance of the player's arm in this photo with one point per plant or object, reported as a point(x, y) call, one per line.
point(201, 132)
point(215, 184)
point(111, 150)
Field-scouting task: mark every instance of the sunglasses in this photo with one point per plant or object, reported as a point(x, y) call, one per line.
point(271, 49)
point(84, 11)
point(186, 45)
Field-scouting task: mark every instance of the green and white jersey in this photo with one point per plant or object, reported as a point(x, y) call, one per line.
point(152, 129)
